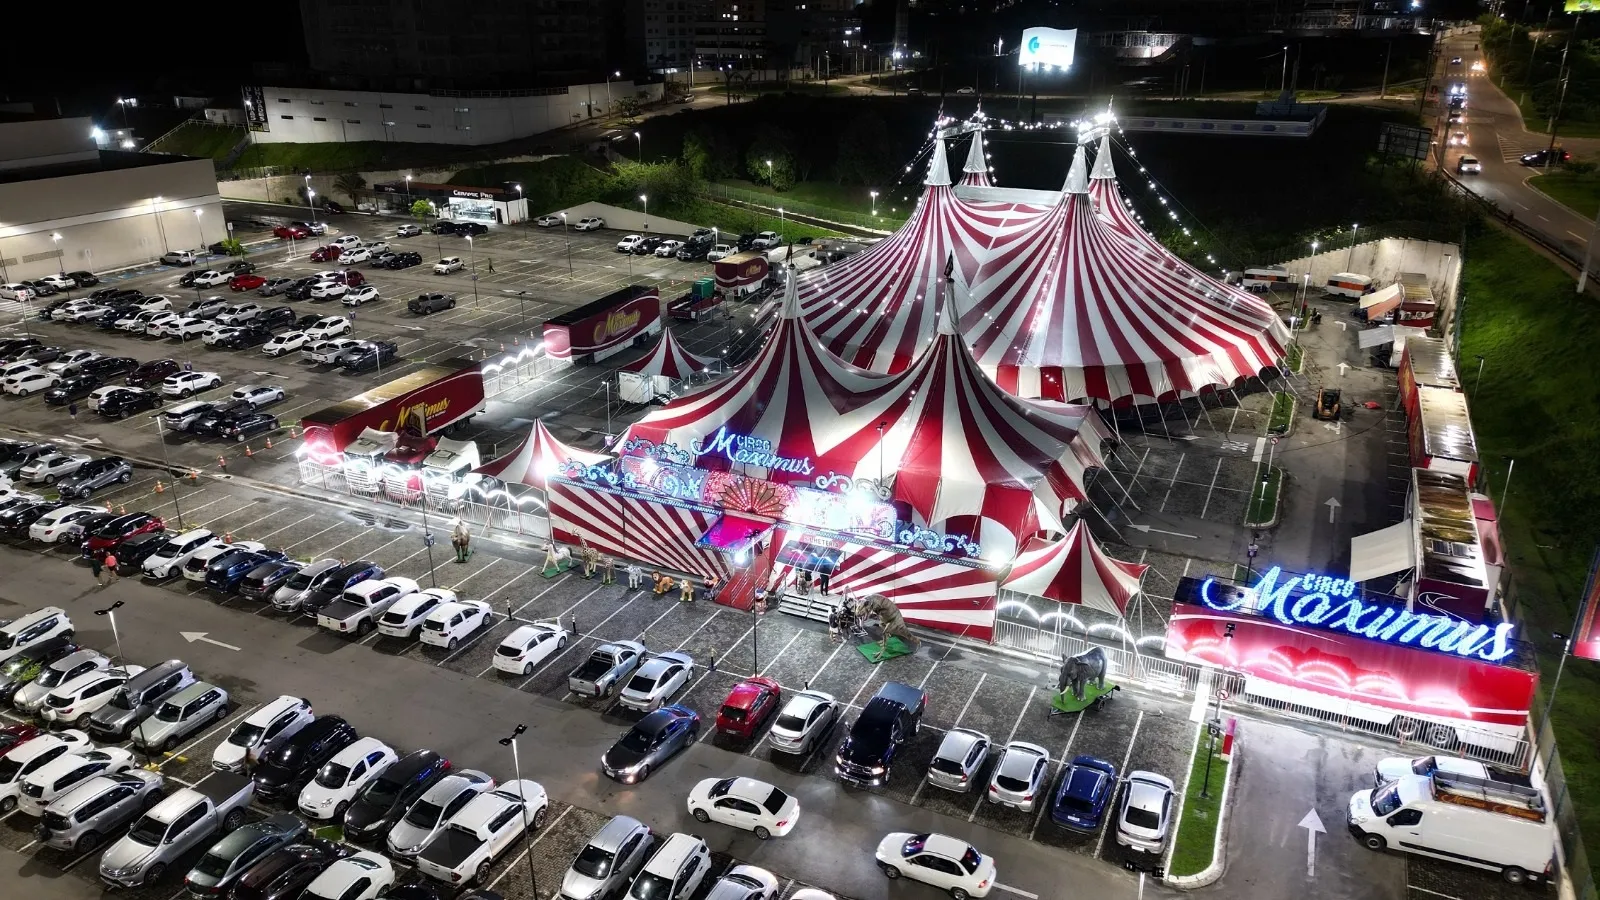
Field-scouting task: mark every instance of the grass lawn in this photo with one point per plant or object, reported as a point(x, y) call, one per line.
point(1295, 357)
point(1282, 413)
point(1580, 193)
point(200, 140)
point(1538, 406)
point(1197, 827)
point(1264, 496)
point(731, 220)
point(848, 197)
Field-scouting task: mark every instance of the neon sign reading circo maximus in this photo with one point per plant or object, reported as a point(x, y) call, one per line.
point(751, 451)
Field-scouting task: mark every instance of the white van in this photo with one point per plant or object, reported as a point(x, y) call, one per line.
point(1492, 825)
point(1264, 279)
point(1348, 284)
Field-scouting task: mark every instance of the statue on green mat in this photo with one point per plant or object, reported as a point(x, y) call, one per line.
point(890, 620)
point(1078, 671)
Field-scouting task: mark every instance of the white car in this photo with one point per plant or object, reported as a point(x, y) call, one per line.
point(187, 384)
point(656, 680)
point(1145, 817)
point(746, 883)
point(47, 468)
point(288, 342)
point(18, 292)
point(152, 303)
point(314, 227)
point(1021, 773)
point(362, 876)
point(61, 313)
point(268, 727)
point(75, 358)
point(82, 313)
point(547, 221)
point(329, 290)
point(26, 758)
point(946, 863)
point(66, 772)
point(345, 241)
point(745, 803)
point(31, 380)
point(74, 701)
point(364, 294)
point(219, 333)
point(668, 249)
point(341, 778)
point(169, 560)
point(60, 282)
point(767, 240)
point(194, 568)
point(528, 647)
point(325, 352)
point(61, 524)
point(210, 278)
point(17, 368)
point(189, 327)
point(483, 830)
point(408, 231)
point(258, 395)
point(590, 223)
point(406, 614)
point(239, 314)
point(718, 252)
point(327, 327)
point(354, 255)
point(429, 814)
point(447, 265)
point(1393, 768)
point(451, 622)
point(628, 242)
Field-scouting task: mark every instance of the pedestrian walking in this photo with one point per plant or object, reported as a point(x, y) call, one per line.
point(491, 264)
point(110, 563)
point(96, 566)
point(608, 572)
point(72, 410)
point(833, 626)
point(635, 576)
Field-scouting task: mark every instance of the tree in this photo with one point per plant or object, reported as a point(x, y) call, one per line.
point(420, 209)
point(233, 247)
point(770, 159)
point(697, 153)
point(864, 151)
point(350, 183)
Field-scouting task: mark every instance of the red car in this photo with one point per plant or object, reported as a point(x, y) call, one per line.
point(13, 736)
point(114, 532)
point(749, 705)
point(348, 277)
point(246, 282)
point(326, 254)
point(291, 232)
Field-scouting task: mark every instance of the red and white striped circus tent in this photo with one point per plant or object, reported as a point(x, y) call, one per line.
point(1081, 311)
point(1111, 205)
point(976, 171)
point(875, 309)
point(537, 457)
point(1075, 570)
point(667, 359)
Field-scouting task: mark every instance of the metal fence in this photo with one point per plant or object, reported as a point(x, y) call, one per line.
point(772, 202)
point(521, 513)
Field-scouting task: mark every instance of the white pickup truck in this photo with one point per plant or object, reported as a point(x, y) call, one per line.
point(608, 666)
point(358, 608)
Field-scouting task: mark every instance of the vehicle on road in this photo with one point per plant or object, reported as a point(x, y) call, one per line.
point(267, 728)
point(181, 822)
point(1546, 157)
point(210, 278)
point(547, 221)
point(471, 229)
point(528, 647)
point(888, 720)
point(656, 680)
point(607, 667)
point(181, 715)
point(182, 257)
point(952, 865)
point(1144, 820)
point(408, 230)
point(329, 794)
point(448, 265)
point(1469, 165)
point(651, 741)
point(755, 806)
point(465, 849)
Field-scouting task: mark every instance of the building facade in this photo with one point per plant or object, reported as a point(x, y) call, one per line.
point(296, 115)
point(666, 32)
point(66, 205)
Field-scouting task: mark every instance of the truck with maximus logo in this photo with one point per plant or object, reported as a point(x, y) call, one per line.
point(435, 398)
point(621, 319)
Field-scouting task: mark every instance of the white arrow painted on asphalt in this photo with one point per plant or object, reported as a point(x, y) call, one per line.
point(1333, 505)
point(1343, 367)
point(1342, 324)
point(1312, 823)
point(192, 636)
point(1147, 529)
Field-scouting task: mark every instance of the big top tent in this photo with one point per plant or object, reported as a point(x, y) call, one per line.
point(667, 359)
point(536, 458)
point(976, 172)
point(1075, 570)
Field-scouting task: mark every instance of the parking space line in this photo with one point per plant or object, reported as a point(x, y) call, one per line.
point(686, 640)
point(229, 513)
point(646, 630)
point(577, 638)
point(1066, 752)
point(1014, 726)
point(779, 655)
point(1422, 890)
point(475, 574)
point(176, 754)
point(1100, 846)
point(513, 580)
point(548, 827)
point(317, 535)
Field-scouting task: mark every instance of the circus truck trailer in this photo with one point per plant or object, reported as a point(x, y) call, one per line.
point(359, 433)
point(621, 319)
point(1315, 646)
point(742, 273)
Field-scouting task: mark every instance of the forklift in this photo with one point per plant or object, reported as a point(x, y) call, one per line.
point(1328, 405)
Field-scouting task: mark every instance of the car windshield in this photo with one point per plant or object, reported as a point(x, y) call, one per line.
point(148, 831)
point(17, 666)
point(333, 775)
point(299, 581)
point(122, 700)
point(789, 722)
point(169, 712)
point(593, 862)
point(775, 801)
point(650, 886)
point(246, 735)
point(1386, 799)
point(382, 792)
point(424, 814)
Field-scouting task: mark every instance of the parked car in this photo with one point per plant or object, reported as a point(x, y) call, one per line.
point(20, 671)
point(50, 468)
point(31, 380)
point(79, 820)
point(153, 372)
point(248, 425)
point(448, 265)
point(647, 247)
point(270, 726)
point(328, 327)
point(453, 622)
point(719, 252)
point(372, 356)
point(361, 876)
point(383, 800)
point(404, 260)
point(230, 858)
point(527, 647)
point(124, 403)
point(650, 743)
point(1085, 791)
point(889, 719)
point(748, 706)
point(61, 524)
point(29, 698)
point(629, 242)
point(357, 296)
point(339, 781)
point(960, 755)
point(609, 862)
point(465, 850)
point(170, 559)
point(240, 338)
point(424, 304)
point(1145, 817)
point(187, 384)
point(804, 722)
point(94, 475)
point(431, 812)
point(547, 221)
point(168, 831)
point(408, 230)
point(329, 290)
point(287, 342)
point(1019, 776)
point(135, 550)
point(656, 680)
point(590, 223)
point(181, 715)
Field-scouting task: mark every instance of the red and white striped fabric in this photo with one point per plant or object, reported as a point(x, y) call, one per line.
point(930, 592)
point(875, 309)
point(668, 358)
point(1079, 311)
point(1075, 570)
point(633, 528)
point(537, 457)
point(976, 171)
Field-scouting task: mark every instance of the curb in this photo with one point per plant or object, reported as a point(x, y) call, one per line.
point(1277, 506)
point(1219, 847)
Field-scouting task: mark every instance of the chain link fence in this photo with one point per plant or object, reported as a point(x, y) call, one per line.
point(772, 202)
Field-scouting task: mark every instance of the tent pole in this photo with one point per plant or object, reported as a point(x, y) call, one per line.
point(1127, 496)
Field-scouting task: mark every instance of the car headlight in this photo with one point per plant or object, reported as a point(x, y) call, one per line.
point(1360, 819)
point(877, 770)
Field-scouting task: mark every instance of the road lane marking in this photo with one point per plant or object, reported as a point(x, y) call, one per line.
point(1018, 891)
point(1578, 236)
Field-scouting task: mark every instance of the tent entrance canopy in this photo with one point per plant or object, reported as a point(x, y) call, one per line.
point(734, 534)
point(1383, 552)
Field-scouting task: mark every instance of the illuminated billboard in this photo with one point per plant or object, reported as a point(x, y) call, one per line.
point(1047, 48)
point(1583, 6)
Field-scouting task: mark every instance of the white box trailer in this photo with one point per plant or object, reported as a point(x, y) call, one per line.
point(1460, 818)
point(1265, 278)
point(1352, 285)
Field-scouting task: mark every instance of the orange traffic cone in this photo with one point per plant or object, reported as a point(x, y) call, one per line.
point(249, 454)
point(160, 488)
point(269, 443)
point(194, 474)
point(294, 431)
point(222, 461)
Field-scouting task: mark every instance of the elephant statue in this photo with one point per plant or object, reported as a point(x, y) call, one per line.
point(1078, 671)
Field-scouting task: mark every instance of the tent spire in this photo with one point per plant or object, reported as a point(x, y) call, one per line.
point(947, 300)
point(977, 160)
point(938, 167)
point(1078, 175)
point(1103, 166)
point(791, 295)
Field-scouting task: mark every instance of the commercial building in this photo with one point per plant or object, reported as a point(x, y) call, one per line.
point(309, 115)
point(806, 32)
point(67, 205)
point(666, 30)
point(459, 203)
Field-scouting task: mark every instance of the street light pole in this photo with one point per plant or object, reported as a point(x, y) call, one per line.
point(1351, 259)
point(645, 199)
point(309, 194)
point(161, 433)
point(472, 248)
point(110, 612)
point(769, 173)
point(1505, 490)
point(641, 145)
point(61, 263)
point(527, 825)
point(567, 234)
point(199, 230)
point(874, 203)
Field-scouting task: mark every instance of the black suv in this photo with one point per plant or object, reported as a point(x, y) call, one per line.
point(378, 353)
point(331, 584)
point(122, 404)
point(287, 768)
point(891, 717)
point(94, 475)
point(695, 249)
point(379, 805)
point(214, 420)
point(471, 228)
point(647, 247)
point(73, 387)
point(301, 290)
point(403, 260)
point(442, 227)
point(252, 335)
point(276, 317)
point(248, 424)
point(106, 367)
point(431, 303)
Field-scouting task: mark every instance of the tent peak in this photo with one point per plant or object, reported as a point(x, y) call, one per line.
point(938, 167)
point(1078, 174)
point(977, 160)
point(1103, 166)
